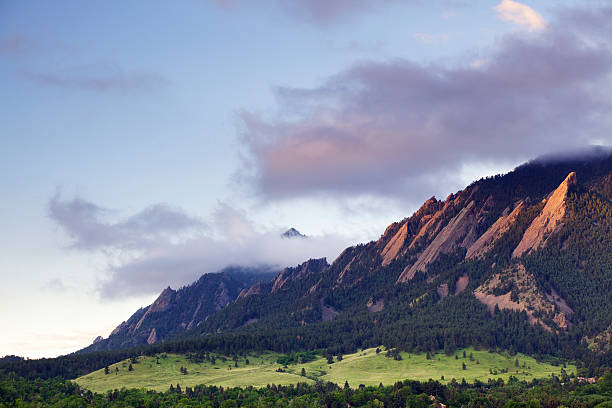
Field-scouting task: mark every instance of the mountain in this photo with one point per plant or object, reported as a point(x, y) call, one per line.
point(519, 261)
point(526, 251)
point(292, 233)
point(177, 311)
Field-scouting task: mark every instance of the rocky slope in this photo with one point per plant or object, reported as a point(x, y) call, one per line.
point(179, 311)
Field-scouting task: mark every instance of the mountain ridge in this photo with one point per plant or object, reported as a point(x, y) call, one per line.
point(485, 251)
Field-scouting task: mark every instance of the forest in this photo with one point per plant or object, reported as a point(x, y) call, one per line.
point(555, 392)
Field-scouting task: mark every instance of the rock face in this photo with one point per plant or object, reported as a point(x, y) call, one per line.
point(460, 232)
point(516, 289)
point(312, 266)
point(548, 221)
point(256, 289)
point(486, 241)
point(152, 337)
point(461, 284)
point(395, 244)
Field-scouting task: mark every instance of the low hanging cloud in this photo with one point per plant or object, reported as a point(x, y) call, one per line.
point(401, 128)
point(162, 245)
point(520, 14)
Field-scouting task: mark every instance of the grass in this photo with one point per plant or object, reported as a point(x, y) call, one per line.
point(150, 374)
point(365, 367)
point(369, 368)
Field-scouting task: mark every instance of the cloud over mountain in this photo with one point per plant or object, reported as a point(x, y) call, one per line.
point(162, 245)
point(396, 126)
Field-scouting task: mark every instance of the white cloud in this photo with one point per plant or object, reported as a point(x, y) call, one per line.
point(162, 245)
point(520, 14)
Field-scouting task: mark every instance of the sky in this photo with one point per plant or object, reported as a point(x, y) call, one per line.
point(143, 144)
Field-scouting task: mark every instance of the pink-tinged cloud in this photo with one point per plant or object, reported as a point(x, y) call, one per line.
point(521, 15)
point(396, 127)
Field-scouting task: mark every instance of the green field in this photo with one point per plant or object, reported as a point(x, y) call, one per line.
point(365, 367)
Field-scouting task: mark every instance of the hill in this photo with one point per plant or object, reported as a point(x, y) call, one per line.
point(364, 367)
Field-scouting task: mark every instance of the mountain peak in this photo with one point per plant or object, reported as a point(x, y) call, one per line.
point(548, 220)
point(292, 233)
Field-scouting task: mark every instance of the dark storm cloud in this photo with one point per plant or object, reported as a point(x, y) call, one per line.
point(397, 126)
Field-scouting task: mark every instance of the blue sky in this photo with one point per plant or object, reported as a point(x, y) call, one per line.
point(145, 143)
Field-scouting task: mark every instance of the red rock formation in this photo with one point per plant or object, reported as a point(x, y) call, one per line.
point(459, 232)
point(548, 221)
point(495, 232)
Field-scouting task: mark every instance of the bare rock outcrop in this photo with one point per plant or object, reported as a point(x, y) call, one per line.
point(327, 312)
point(375, 305)
point(516, 289)
point(152, 336)
point(461, 283)
point(548, 221)
point(442, 291)
point(486, 241)
point(395, 244)
point(312, 266)
point(162, 303)
point(459, 232)
point(253, 290)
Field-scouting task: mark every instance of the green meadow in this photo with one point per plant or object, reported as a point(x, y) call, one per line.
point(364, 367)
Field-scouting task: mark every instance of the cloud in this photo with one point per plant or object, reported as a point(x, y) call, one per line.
point(431, 38)
point(16, 45)
point(161, 245)
point(97, 78)
point(318, 12)
point(89, 227)
point(326, 11)
point(183, 263)
point(401, 128)
point(521, 15)
point(56, 285)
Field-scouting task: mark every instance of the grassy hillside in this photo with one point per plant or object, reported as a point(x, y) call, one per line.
point(369, 368)
point(158, 373)
point(365, 367)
